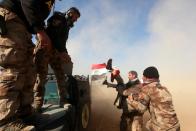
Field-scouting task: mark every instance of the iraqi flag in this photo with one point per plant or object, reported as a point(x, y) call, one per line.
point(98, 71)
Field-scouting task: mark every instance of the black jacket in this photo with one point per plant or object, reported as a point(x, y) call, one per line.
point(58, 31)
point(32, 12)
point(130, 83)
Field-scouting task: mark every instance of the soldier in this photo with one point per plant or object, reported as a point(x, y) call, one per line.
point(58, 29)
point(19, 19)
point(157, 99)
point(131, 116)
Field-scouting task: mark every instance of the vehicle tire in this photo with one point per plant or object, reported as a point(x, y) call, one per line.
point(84, 116)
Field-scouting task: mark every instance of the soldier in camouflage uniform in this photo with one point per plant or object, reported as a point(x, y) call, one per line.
point(130, 119)
point(157, 99)
point(58, 29)
point(21, 18)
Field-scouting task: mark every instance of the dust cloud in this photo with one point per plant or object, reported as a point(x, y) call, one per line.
point(104, 115)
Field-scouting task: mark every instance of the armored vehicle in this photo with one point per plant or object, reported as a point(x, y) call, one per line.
point(74, 117)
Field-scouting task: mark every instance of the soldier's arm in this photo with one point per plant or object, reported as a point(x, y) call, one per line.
point(36, 11)
point(132, 90)
point(141, 103)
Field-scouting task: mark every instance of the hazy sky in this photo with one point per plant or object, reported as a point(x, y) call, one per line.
point(138, 34)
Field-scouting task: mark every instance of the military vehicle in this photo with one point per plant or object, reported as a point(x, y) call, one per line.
point(74, 117)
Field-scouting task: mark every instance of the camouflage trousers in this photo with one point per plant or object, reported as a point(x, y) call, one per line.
point(42, 59)
point(153, 127)
point(131, 121)
point(17, 72)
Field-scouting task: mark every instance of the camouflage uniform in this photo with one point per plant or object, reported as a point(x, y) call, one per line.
point(17, 74)
point(157, 99)
point(42, 59)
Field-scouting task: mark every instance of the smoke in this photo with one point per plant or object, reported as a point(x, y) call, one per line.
point(105, 116)
point(103, 32)
point(112, 29)
point(171, 47)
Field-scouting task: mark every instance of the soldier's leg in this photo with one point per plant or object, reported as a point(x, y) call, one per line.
point(67, 68)
point(30, 76)
point(123, 122)
point(13, 56)
point(117, 99)
point(41, 61)
point(137, 122)
point(58, 67)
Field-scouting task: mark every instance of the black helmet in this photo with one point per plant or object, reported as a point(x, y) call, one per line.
point(73, 9)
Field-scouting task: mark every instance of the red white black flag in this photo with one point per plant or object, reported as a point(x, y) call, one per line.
point(98, 71)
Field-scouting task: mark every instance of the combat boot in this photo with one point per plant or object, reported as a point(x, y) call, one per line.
point(17, 125)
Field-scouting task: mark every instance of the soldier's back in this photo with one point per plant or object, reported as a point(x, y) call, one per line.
point(161, 108)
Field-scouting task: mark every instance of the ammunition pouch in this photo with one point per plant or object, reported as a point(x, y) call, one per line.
point(3, 29)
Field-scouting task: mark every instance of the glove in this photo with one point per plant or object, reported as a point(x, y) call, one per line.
point(115, 72)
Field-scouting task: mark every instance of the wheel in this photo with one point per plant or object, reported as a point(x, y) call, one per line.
point(84, 117)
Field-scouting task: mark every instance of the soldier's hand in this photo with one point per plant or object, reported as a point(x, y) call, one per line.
point(130, 97)
point(44, 40)
point(65, 57)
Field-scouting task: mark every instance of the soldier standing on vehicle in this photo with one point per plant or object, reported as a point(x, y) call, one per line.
point(58, 29)
point(19, 19)
point(157, 99)
point(133, 118)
